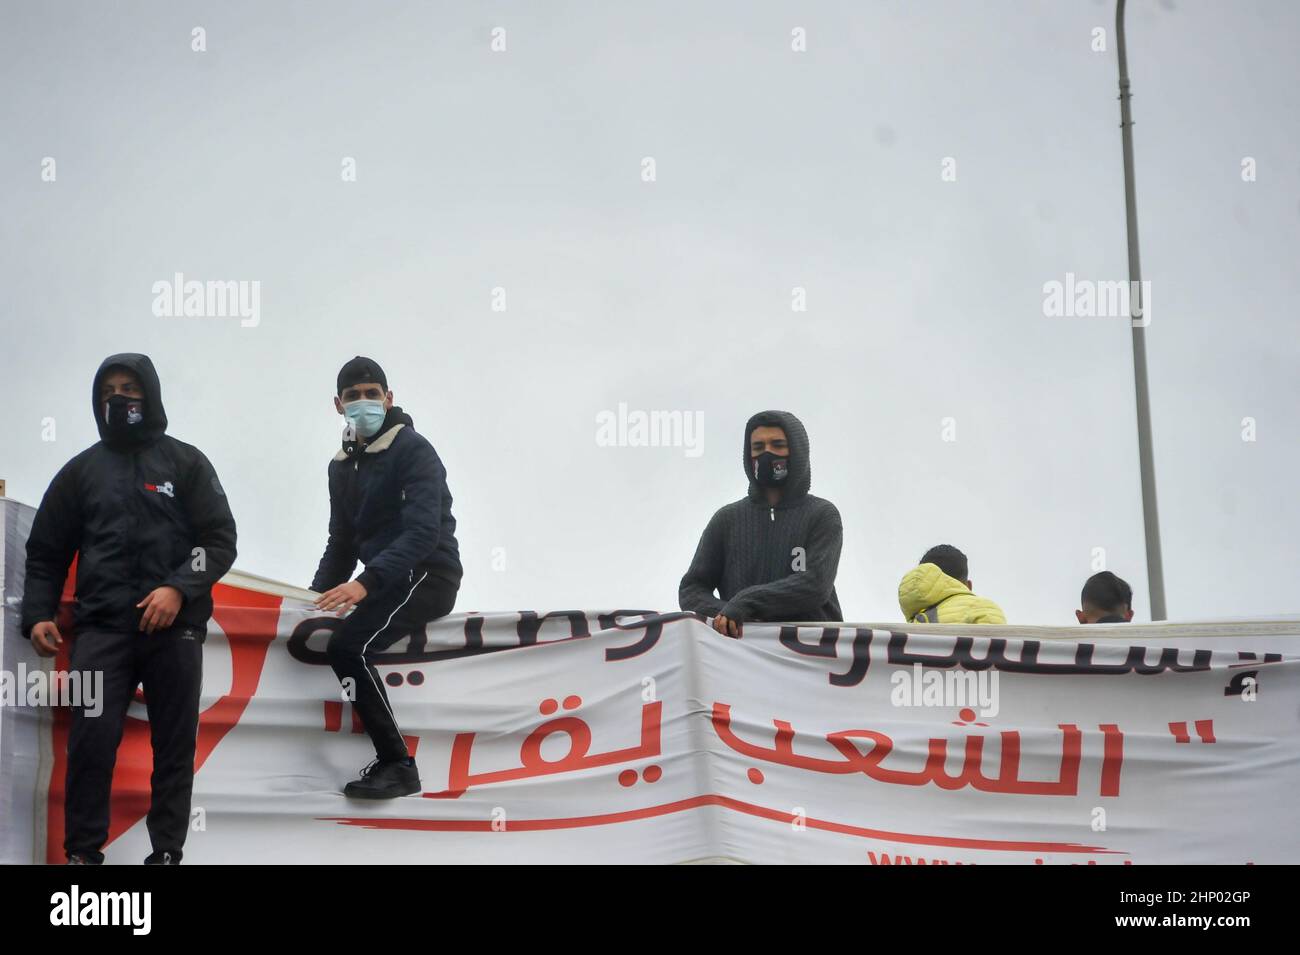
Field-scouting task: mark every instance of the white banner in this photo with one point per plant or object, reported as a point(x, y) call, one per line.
point(630, 736)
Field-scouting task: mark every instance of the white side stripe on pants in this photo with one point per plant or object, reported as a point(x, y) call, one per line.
point(365, 663)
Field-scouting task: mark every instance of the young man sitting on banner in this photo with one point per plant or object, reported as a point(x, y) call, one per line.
point(773, 555)
point(1105, 599)
point(390, 508)
point(149, 523)
point(939, 591)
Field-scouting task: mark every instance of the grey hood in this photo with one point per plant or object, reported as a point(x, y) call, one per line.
point(800, 478)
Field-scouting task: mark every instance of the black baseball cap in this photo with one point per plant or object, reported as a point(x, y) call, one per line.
point(360, 370)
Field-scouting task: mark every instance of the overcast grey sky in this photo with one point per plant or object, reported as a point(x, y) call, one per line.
point(775, 169)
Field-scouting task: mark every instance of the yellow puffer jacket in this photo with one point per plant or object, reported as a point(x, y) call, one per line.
point(927, 585)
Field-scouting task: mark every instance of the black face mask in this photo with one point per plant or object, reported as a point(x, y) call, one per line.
point(770, 470)
point(124, 416)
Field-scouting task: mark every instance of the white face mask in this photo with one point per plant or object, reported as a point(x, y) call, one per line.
point(366, 416)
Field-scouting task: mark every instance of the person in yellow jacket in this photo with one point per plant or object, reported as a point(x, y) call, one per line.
point(940, 592)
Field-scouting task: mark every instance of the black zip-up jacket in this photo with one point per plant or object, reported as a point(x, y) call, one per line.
point(389, 508)
point(133, 511)
point(769, 563)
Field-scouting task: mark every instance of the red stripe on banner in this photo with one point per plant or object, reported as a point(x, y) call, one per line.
point(1112, 759)
point(726, 802)
point(333, 716)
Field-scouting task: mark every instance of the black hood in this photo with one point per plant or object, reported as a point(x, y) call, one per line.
point(800, 478)
point(395, 416)
point(155, 417)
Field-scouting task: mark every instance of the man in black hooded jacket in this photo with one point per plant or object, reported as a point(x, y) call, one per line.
point(389, 508)
point(152, 531)
point(773, 555)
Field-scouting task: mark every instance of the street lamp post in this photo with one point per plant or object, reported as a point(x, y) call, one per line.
point(1146, 462)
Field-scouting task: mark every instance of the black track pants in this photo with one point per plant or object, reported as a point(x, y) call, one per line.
point(380, 620)
point(169, 664)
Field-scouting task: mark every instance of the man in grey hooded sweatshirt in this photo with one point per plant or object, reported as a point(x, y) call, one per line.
point(771, 556)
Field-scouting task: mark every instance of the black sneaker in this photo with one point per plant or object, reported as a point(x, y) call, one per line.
point(163, 857)
point(385, 780)
point(76, 858)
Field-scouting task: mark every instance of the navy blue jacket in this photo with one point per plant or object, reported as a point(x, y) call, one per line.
point(389, 508)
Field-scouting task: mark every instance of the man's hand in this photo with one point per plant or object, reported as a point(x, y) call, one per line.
point(342, 598)
point(726, 627)
point(46, 638)
point(160, 609)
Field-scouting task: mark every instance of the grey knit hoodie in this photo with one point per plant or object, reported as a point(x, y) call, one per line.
point(748, 551)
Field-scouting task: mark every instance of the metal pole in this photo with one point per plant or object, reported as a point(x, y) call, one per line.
point(1146, 460)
